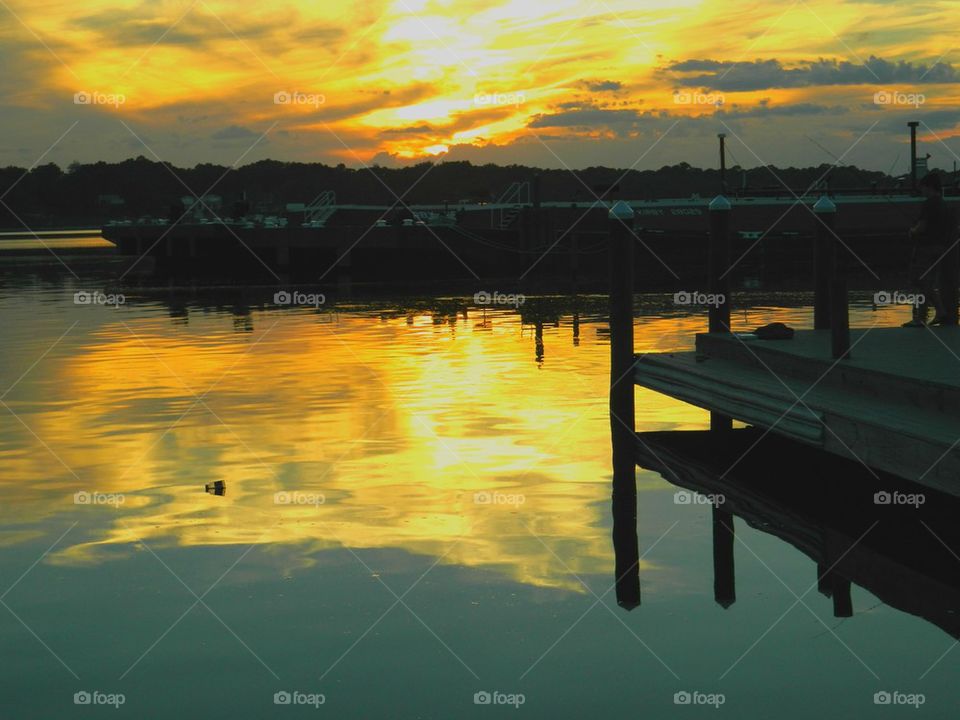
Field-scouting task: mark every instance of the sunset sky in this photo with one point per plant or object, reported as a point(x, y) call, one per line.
point(566, 83)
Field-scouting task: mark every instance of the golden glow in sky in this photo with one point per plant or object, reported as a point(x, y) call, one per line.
point(484, 80)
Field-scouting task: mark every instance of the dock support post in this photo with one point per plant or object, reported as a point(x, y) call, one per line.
point(344, 254)
point(622, 419)
point(949, 293)
point(826, 213)
point(724, 577)
point(719, 265)
point(574, 261)
point(822, 245)
point(283, 255)
point(724, 583)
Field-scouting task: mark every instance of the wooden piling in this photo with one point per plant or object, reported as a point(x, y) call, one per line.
point(622, 418)
point(574, 256)
point(839, 318)
point(621, 317)
point(283, 255)
point(718, 282)
point(822, 244)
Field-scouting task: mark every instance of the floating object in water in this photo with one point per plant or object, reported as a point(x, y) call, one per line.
point(218, 487)
point(774, 331)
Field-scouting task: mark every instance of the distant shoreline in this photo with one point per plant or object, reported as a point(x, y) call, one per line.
point(22, 234)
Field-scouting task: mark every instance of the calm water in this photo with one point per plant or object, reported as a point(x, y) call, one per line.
point(349, 556)
point(56, 240)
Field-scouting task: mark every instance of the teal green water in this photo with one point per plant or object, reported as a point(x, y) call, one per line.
point(349, 557)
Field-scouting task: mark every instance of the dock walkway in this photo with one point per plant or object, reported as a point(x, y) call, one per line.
point(892, 405)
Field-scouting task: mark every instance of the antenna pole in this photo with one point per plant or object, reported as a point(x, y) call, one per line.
point(723, 162)
point(913, 154)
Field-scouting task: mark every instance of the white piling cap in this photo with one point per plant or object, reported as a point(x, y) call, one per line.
point(824, 205)
point(621, 211)
point(719, 203)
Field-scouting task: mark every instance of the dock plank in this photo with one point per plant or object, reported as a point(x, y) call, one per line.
point(895, 406)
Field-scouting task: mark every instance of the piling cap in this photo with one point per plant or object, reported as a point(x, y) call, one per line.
point(719, 203)
point(824, 205)
point(621, 211)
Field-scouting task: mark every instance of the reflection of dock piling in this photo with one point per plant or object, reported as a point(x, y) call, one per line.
point(902, 554)
point(837, 588)
point(724, 577)
point(622, 419)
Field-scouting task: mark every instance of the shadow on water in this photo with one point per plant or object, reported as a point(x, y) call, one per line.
point(890, 537)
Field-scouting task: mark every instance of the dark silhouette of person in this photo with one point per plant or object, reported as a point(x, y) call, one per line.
point(932, 236)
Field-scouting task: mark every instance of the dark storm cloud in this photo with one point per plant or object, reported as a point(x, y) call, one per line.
point(767, 74)
point(937, 119)
point(235, 132)
point(140, 26)
point(587, 116)
point(423, 129)
point(571, 115)
point(764, 109)
point(602, 85)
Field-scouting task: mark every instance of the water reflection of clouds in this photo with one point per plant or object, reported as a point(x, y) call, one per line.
point(396, 423)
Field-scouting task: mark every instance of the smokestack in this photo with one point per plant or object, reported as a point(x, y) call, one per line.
point(913, 154)
point(723, 162)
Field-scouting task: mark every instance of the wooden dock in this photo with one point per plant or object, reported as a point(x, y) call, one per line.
point(887, 398)
point(878, 410)
point(893, 405)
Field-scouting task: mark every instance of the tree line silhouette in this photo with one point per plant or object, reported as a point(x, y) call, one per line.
point(93, 193)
